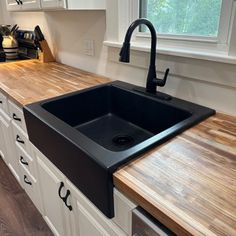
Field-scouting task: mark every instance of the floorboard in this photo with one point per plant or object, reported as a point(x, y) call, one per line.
point(18, 215)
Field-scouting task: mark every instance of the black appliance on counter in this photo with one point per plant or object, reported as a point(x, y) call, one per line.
point(27, 44)
point(28, 48)
point(2, 54)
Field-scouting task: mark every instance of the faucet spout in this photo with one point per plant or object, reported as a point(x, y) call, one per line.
point(152, 81)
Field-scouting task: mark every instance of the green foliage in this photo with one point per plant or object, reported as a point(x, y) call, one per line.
point(185, 17)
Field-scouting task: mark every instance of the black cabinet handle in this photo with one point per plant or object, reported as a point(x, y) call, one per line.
point(0, 102)
point(20, 2)
point(23, 161)
point(64, 199)
point(26, 180)
point(59, 190)
point(17, 2)
point(15, 117)
point(19, 140)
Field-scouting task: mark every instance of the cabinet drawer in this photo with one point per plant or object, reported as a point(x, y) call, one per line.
point(17, 116)
point(28, 182)
point(25, 160)
point(3, 103)
point(31, 187)
point(21, 139)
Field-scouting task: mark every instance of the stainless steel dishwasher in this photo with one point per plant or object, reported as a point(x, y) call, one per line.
point(143, 224)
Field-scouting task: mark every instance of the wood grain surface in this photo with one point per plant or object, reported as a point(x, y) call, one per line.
point(31, 81)
point(189, 183)
point(18, 215)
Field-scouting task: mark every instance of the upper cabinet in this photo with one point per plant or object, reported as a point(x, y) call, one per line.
point(30, 4)
point(86, 4)
point(27, 5)
point(13, 5)
point(53, 4)
point(23, 5)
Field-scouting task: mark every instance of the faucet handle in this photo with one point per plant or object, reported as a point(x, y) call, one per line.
point(162, 82)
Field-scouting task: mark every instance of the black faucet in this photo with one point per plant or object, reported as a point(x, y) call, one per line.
point(152, 80)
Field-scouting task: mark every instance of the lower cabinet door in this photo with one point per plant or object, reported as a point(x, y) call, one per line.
point(3, 152)
point(88, 219)
point(54, 212)
point(10, 150)
point(87, 224)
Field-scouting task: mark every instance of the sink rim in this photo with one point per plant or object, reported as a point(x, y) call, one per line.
point(106, 158)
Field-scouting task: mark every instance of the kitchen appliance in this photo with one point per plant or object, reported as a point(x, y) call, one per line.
point(27, 45)
point(143, 224)
point(2, 54)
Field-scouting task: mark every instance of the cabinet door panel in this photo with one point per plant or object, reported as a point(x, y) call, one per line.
point(87, 4)
point(87, 224)
point(12, 5)
point(53, 205)
point(53, 4)
point(3, 153)
point(31, 4)
point(10, 154)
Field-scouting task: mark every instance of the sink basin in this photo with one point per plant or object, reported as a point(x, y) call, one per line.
point(90, 133)
point(115, 118)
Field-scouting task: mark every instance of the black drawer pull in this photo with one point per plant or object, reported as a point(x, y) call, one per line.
point(26, 180)
point(64, 199)
point(59, 190)
point(19, 140)
point(0, 102)
point(15, 117)
point(23, 161)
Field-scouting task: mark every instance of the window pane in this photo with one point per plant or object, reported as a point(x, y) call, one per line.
point(183, 17)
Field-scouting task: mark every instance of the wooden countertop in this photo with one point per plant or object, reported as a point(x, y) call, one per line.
point(31, 81)
point(188, 183)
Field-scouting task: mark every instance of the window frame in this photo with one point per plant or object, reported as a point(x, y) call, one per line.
point(121, 13)
point(223, 31)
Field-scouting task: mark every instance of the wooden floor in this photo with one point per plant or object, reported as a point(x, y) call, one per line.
point(18, 215)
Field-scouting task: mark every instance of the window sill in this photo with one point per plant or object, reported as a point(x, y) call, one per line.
point(186, 53)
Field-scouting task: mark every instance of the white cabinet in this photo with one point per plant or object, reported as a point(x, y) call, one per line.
point(30, 4)
point(89, 220)
point(3, 152)
point(86, 4)
point(66, 210)
point(13, 5)
point(55, 196)
point(7, 140)
point(27, 5)
point(54, 4)
point(22, 5)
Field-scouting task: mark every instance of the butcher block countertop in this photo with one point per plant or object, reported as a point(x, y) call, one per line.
point(31, 81)
point(188, 183)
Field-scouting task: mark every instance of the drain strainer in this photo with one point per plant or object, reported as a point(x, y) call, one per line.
point(122, 140)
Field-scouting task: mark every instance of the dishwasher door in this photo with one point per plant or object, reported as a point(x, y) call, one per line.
point(143, 224)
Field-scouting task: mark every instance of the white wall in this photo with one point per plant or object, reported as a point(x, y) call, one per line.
point(1, 14)
point(207, 83)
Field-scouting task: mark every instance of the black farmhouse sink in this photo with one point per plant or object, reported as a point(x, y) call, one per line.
point(88, 134)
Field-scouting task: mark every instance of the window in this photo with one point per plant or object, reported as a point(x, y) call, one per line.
point(185, 17)
point(203, 29)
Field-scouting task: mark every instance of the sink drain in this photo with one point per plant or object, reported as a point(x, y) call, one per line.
point(122, 140)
